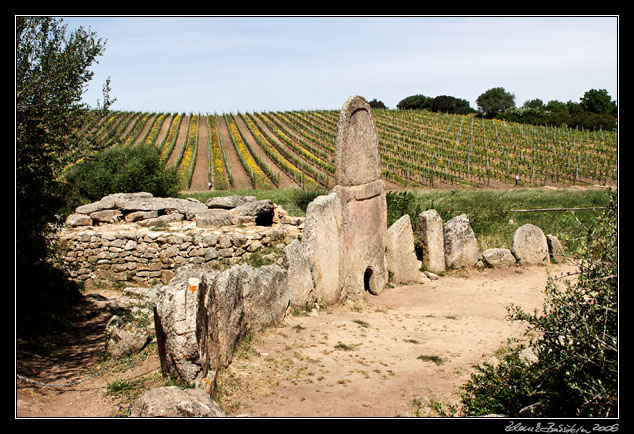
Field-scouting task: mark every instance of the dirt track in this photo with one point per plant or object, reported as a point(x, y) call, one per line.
point(365, 358)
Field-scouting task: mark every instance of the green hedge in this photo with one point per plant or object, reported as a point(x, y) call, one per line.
point(119, 170)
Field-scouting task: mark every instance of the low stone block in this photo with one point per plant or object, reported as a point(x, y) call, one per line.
point(78, 220)
point(214, 218)
point(172, 401)
point(498, 257)
point(228, 202)
point(106, 216)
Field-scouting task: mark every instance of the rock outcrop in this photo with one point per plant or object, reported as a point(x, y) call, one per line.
point(172, 401)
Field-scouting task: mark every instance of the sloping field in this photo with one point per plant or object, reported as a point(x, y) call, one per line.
point(295, 149)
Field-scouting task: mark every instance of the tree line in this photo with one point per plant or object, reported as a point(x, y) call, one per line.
point(595, 109)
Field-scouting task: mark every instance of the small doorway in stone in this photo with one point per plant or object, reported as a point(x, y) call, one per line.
point(369, 283)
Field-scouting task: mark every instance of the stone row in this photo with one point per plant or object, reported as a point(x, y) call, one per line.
point(454, 245)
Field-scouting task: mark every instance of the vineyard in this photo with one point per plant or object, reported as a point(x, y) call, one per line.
point(296, 149)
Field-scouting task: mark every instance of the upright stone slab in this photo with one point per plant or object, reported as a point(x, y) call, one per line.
point(432, 240)
point(461, 246)
point(399, 250)
point(361, 193)
point(556, 250)
point(530, 246)
point(356, 151)
point(321, 243)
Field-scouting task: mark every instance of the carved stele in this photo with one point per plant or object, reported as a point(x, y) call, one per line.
point(357, 149)
point(361, 193)
point(342, 251)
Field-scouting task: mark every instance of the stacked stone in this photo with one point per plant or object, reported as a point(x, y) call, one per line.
point(115, 238)
point(127, 252)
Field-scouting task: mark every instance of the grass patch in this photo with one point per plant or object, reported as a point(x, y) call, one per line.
point(346, 347)
point(266, 256)
point(436, 359)
point(361, 323)
point(246, 347)
point(490, 215)
point(293, 200)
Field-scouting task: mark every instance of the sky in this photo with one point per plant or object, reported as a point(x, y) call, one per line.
point(221, 64)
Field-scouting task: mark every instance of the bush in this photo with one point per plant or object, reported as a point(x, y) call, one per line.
point(301, 198)
point(120, 170)
point(576, 374)
point(400, 203)
point(503, 389)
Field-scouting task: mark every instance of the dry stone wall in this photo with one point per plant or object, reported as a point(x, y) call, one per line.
point(150, 250)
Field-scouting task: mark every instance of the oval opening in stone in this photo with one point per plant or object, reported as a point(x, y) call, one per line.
point(368, 280)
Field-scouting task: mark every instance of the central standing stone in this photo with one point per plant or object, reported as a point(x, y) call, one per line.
point(357, 147)
point(342, 251)
point(361, 193)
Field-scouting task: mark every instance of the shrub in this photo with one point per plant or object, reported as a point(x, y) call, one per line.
point(400, 203)
point(576, 374)
point(301, 198)
point(122, 171)
point(504, 389)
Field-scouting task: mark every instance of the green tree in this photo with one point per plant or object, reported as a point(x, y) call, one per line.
point(598, 101)
point(494, 101)
point(450, 104)
point(536, 104)
point(555, 106)
point(51, 71)
point(415, 102)
point(377, 104)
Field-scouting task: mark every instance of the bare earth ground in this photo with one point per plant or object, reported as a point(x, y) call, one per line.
point(396, 354)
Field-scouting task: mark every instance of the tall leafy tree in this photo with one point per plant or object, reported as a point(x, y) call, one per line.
point(598, 101)
point(495, 100)
point(51, 74)
point(415, 102)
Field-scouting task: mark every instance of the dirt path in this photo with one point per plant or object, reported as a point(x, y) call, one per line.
point(363, 358)
point(285, 180)
point(200, 177)
point(280, 144)
point(72, 364)
point(240, 178)
point(180, 141)
point(167, 120)
point(148, 124)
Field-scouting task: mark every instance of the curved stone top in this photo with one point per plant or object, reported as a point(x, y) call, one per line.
point(357, 147)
